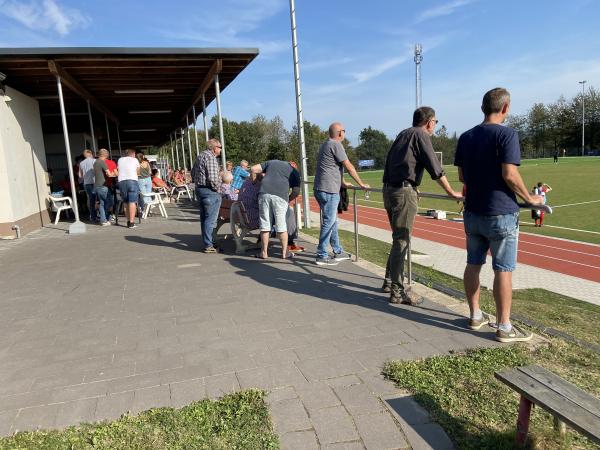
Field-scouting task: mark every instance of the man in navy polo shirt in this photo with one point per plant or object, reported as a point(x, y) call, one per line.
point(488, 157)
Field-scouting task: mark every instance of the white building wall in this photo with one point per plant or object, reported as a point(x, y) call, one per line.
point(23, 175)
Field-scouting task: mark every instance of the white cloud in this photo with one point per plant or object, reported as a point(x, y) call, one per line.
point(442, 10)
point(378, 69)
point(230, 25)
point(44, 16)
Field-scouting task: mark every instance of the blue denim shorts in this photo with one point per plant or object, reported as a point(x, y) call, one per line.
point(129, 190)
point(499, 234)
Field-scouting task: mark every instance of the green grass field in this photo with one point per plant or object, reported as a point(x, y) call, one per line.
point(573, 180)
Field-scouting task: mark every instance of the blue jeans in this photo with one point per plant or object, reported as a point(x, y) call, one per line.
point(209, 203)
point(499, 234)
point(329, 227)
point(145, 185)
point(104, 196)
point(89, 190)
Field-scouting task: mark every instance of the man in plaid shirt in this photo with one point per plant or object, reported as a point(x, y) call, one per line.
point(205, 175)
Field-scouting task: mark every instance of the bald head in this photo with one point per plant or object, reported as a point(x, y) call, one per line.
point(336, 131)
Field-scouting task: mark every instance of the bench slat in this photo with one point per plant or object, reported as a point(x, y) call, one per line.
point(563, 387)
point(560, 406)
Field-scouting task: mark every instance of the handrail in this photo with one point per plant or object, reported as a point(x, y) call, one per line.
point(354, 189)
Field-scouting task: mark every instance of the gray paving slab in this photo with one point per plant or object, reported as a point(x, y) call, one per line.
point(200, 326)
point(379, 432)
point(299, 440)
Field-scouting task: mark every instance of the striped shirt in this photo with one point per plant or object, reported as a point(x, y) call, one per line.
point(205, 172)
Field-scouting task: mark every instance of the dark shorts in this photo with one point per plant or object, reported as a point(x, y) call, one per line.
point(130, 191)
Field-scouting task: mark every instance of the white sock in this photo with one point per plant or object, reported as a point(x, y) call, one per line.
point(477, 315)
point(506, 327)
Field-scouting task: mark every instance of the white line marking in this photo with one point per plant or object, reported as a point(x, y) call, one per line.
point(185, 266)
point(574, 204)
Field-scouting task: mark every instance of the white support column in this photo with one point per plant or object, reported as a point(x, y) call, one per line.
point(119, 141)
point(78, 227)
point(187, 129)
point(108, 136)
point(204, 117)
point(300, 118)
point(172, 153)
point(183, 151)
point(195, 129)
point(92, 129)
point(176, 150)
point(220, 118)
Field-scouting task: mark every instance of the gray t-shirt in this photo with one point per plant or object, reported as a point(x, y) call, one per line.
point(86, 167)
point(100, 169)
point(279, 177)
point(329, 167)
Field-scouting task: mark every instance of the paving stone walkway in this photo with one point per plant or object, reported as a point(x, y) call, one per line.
point(119, 320)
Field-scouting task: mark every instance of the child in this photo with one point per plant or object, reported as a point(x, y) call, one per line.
point(226, 191)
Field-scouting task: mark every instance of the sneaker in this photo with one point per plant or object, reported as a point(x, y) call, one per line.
point(387, 287)
point(112, 218)
point(295, 248)
point(342, 256)
point(398, 296)
point(476, 324)
point(327, 261)
point(106, 224)
point(209, 250)
point(132, 225)
point(516, 334)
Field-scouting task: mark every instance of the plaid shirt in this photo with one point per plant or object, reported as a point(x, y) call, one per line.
point(239, 175)
point(206, 171)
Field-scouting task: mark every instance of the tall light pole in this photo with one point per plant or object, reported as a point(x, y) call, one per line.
point(582, 83)
point(418, 60)
point(300, 117)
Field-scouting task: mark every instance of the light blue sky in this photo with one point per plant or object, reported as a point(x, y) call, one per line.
point(356, 55)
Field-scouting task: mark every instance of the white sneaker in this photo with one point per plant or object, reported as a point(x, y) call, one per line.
point(342, 256)
point(106, 224)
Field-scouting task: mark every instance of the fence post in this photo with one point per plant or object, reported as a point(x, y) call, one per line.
point(355, 224)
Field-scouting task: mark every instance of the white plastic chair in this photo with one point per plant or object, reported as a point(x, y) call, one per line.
point(59, 204)
point(153, 199)
point(182, 189)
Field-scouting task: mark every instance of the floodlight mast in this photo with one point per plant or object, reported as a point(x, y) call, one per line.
point(582, 83)
point(418, 60)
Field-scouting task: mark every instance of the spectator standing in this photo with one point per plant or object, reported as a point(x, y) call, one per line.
point(145, 178)
point(111, 183)
point(205, 175)
point(273, 202)
point(240, 173)
point(329, 177)
point(86, 173)
point(488, 157)
point(409, 156)
point(129, 170)
point(101, 176)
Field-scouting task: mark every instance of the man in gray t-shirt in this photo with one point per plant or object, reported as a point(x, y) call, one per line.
point(331, 162)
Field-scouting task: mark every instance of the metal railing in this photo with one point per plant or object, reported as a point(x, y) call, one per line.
point(355, 189)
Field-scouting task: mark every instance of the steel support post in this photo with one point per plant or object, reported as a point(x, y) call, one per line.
point(172, 153)
point(355, 211)
point(183, 151)
point(220, 118)
point(92, 129)
point(187, 129)
point(176, 150)
point(108, 136)
point(78, 227)
point(195, 130)
point(204, 118)
point(119, 141)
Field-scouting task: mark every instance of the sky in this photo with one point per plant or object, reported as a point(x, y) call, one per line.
point(356, 56)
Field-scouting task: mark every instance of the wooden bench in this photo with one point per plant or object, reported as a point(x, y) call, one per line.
point(567, 403)
point(223, 217)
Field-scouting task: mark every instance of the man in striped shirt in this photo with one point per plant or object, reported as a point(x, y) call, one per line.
point(205, 175)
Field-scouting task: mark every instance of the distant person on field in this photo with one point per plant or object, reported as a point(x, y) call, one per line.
point(488, 157)
point(409, 156)
point(329, 177)
point(86, 173)
point(556, 157)
point(541, 189)
point(129, 171)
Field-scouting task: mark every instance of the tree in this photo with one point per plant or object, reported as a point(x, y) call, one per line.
point(445, 144)
point(374, 144)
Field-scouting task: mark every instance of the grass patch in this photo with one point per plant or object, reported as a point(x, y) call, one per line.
point(236, 421)
point(571, 316)
point(462, 395)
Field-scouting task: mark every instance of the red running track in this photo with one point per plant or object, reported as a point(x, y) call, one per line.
point(571, 258)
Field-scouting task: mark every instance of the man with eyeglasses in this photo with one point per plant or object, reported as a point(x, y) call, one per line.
point(410, 155)
point(206, 176)
point(329, 177)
